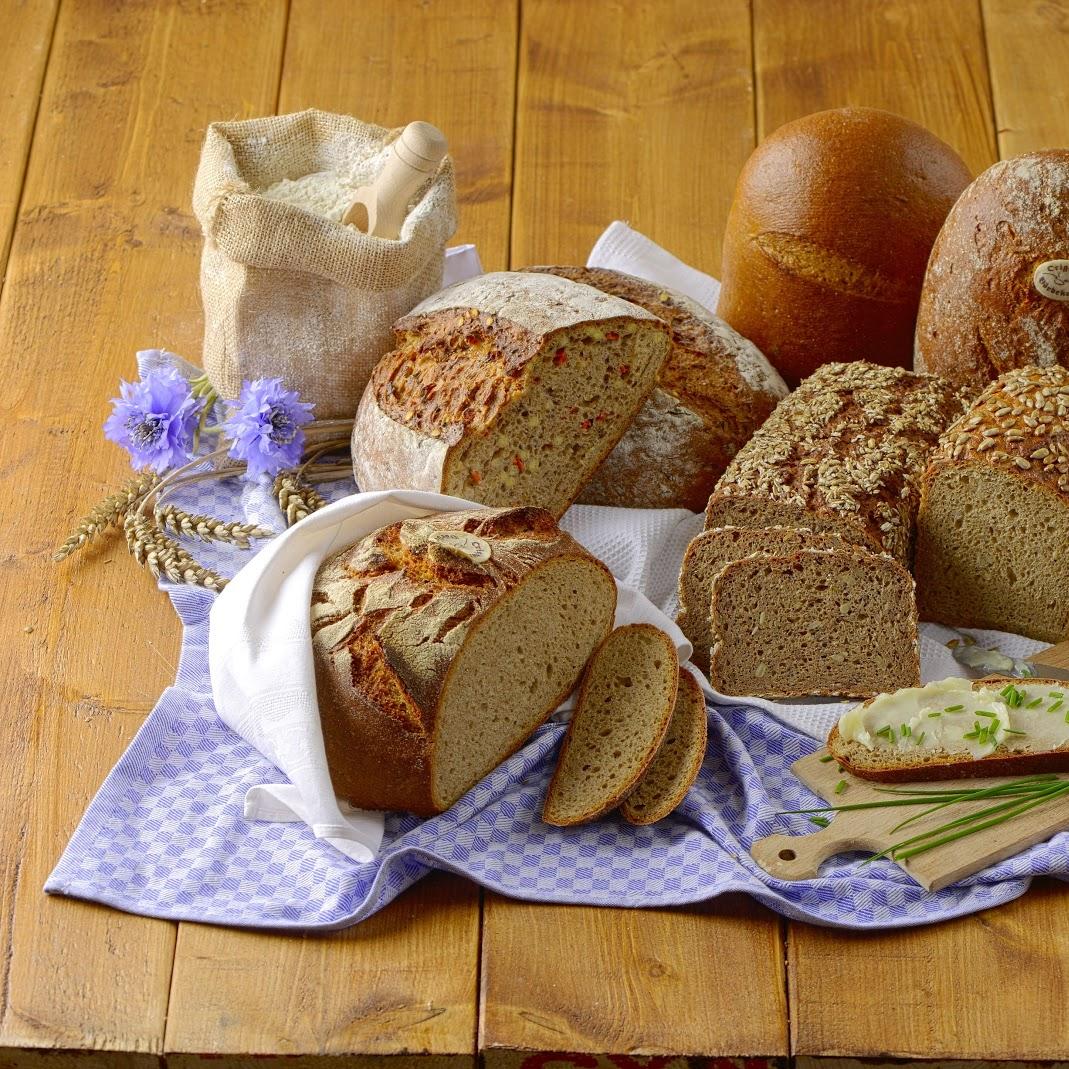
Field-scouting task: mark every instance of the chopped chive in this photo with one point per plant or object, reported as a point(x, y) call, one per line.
point(1056, 694)
point(1014, 731)
point(953, 708)
point(906, 731)
point(920, 737)
point(1034, 702)
point(821, 822)
point(934, 715)
point(987, 712)
point(887, 732)
point(1067, 717)
point(971, 735)
point(840, 786)
point(1056, 706)
point(826, 758)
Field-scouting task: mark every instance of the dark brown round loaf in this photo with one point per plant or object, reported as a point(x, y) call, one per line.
point(829, 235)
point(996, 296)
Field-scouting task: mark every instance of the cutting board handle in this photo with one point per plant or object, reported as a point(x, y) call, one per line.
point(799, 857)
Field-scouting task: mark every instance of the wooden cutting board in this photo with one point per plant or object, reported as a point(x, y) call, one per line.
point(798, 857)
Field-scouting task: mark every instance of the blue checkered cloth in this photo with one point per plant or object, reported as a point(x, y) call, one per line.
point(166, 835)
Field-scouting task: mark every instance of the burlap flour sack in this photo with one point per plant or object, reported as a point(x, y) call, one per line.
point(288, 293)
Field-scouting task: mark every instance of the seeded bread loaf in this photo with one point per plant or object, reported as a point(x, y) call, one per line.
point(624, 709)
point(993, 528)
point(829, 234)
point(679, 759)
point(714, 390)
point(713, 550)
point(996, 295)
point(440, 645)
point(844, 454)
point(956, 729)
point(508, 389)
point(839, 622)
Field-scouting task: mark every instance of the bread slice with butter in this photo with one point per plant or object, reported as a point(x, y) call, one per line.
point(955, 729)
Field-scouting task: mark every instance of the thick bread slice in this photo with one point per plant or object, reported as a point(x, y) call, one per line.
point(710, 551)
point(938, 765)
point(831, 622)
point(993, 528)
point(624, 709)
point(844, 453)
point(442, 642)
point(508, 389)
point(714, 390)
point(666, 782)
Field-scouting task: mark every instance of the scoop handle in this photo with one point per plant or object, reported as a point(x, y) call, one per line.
point(379, 209)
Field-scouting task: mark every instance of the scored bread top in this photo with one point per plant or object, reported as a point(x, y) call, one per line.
point(461, 355)
point(391, 612)
point(852, 440)
point(1020, 424)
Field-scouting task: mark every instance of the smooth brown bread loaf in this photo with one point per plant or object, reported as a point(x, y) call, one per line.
point(844, 454)
point(828, 238)
point(996, 295)
point(673, 771)
point(508, 389)
point(993, 529)
point(440, 645)
point(624, 709)
point(837, 622)
point(711, 551)
point(714, 390)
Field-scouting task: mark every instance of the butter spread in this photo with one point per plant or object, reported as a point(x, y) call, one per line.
point(950, 716)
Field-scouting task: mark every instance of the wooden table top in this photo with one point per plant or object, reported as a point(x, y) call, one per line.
point(562, 116)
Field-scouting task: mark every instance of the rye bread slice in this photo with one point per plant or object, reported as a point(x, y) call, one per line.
point(624, 709)
point(673, 771)
point(940, 764)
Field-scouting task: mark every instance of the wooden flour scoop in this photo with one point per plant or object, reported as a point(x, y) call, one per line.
point(380, 208)
point(798, 857)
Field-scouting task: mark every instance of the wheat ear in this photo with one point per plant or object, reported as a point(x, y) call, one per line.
point(164, 556)
point(207, 528)
point(107, 514)
point(296, 498)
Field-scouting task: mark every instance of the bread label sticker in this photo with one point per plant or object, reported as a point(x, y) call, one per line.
point(1052, 279)
point(477, 550)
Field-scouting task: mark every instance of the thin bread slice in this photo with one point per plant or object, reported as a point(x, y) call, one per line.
point(1015, 753)
point(624, 709)
point(835, 622)
point(711, 551)
point(673, 771)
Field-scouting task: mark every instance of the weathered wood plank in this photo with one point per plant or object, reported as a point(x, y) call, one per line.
point(25, 37)
point(404, 981)
point(103, 261)
point(648, 118)
point(1028, 52)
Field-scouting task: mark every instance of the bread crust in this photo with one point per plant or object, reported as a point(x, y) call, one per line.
point(960, 766)
point(980, 312)
point(845, 453)
point(828, 237)
point(714, 390)
point(389, 616)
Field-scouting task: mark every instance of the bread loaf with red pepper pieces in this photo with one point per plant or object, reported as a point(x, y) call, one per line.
point(507, 389)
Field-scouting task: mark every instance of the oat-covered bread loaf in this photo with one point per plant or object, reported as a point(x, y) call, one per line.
point(843, 453)
point(840, 622)
point(714, 390)
point(993, 528)
point(508, 389)
point(829, 234)
point(441, 643)
point(996, 295)
point(711, 551)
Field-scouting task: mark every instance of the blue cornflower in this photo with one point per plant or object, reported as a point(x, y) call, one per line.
point(264, 427)
point(154, 419)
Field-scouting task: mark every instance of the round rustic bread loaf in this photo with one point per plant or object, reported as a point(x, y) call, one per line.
point(996, 296)
point(828, 238)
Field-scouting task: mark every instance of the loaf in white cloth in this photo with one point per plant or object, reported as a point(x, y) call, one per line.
point(260, 653)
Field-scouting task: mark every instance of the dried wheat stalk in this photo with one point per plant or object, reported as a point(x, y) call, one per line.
point(164, 556)
point(107, 514)
point(296, 498)
point(207, 528)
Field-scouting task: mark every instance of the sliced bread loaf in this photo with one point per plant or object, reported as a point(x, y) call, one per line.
point(624, 709)
point(441, 643)
point(714, 390)
point(710, 551)
point(956, 728)
point(993, 528)
point(837, 622)
point(673, 771)
point(508, 389)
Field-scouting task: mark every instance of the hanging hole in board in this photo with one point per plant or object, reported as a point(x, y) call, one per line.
point(787, 855)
